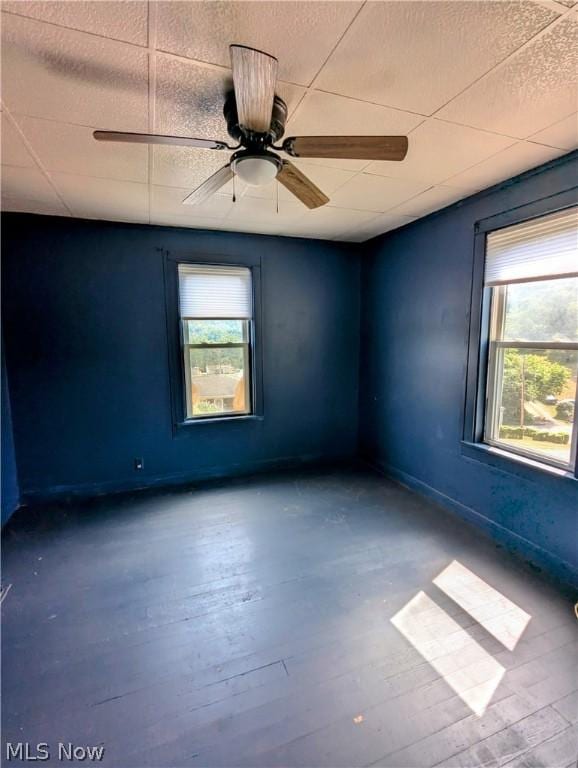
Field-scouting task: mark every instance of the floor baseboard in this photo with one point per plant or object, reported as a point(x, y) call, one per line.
point(534, 555)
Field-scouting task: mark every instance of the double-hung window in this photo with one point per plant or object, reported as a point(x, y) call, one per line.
point(216, 315)
point(531, 282)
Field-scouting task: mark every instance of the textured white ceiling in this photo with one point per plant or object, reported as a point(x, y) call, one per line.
point(483, 89)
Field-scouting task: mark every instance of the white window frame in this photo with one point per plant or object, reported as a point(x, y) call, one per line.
point(247, 345)
point(496, 348)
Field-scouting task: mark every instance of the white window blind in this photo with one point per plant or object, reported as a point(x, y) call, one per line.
point(534, 250)
point(214, 292)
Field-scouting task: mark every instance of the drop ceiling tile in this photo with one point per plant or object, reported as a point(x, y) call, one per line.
point(72, 149)
point(329, 180)
point(332, 223)
point(107, 214)
point(355, 236)
point(563, 134)
point(184, 167)
point(377, 194)
point(264, 211)
point(63, 75)
point(126, 20)
point(384, 222)
point(14, 150)
point(168, 201)
point(43, 207)
point(431, 200)
point(254, 226)
point(301, 35)
point(190, 222)
point(190, 97)
point(325, 114)
point(510, 162)
point(89, 197)
point(27, 184)
point(278, 227)
point(529, 92)
point(418, 55)
point(438, 150)
point(553, 5)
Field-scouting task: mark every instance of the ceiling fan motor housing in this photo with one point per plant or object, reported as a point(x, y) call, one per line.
point(250, 139)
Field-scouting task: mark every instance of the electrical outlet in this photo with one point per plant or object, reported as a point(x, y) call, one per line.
point(138, 464)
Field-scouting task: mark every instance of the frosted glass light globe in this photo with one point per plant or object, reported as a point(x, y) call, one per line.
point(256, 170)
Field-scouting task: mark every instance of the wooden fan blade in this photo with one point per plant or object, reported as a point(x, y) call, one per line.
point(302, 187)
point(348, 147)
point(254, 78)
point(152, 138)
point(210, 186)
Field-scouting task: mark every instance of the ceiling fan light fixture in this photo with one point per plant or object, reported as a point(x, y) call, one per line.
point(256, 170)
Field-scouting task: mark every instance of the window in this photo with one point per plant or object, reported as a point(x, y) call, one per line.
point(531, 281)
point(216, 315)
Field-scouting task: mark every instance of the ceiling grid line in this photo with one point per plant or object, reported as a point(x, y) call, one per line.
point(441, 183)
point(531, 41)
point(339, 39)
point(371, 8)
point(465, 125)
point(35, 158)
point(71, 29)
point(309, 86)
point(368, 101)
point(550, 125)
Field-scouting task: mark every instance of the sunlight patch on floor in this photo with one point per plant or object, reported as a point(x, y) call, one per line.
point(496, 613)
point(464, 665)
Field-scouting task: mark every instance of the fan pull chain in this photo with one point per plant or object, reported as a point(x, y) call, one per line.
point(234, 192)
point(277, 190)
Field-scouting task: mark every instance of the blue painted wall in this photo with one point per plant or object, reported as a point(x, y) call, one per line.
point(86, 349)
point(416, 285)
point(10, 493)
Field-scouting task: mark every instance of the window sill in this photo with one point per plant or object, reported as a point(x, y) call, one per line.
point(184, 426)
point(514, 463)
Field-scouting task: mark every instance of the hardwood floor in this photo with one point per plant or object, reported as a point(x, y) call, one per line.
point(282, 620)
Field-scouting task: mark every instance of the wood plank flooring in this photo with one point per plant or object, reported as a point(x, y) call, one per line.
point(249, 623)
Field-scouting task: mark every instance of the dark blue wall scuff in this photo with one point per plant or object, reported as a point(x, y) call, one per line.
point(416, 285)
point(86, 349)
point(10, 490)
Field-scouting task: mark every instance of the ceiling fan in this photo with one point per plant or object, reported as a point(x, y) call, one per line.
point(255, 118)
